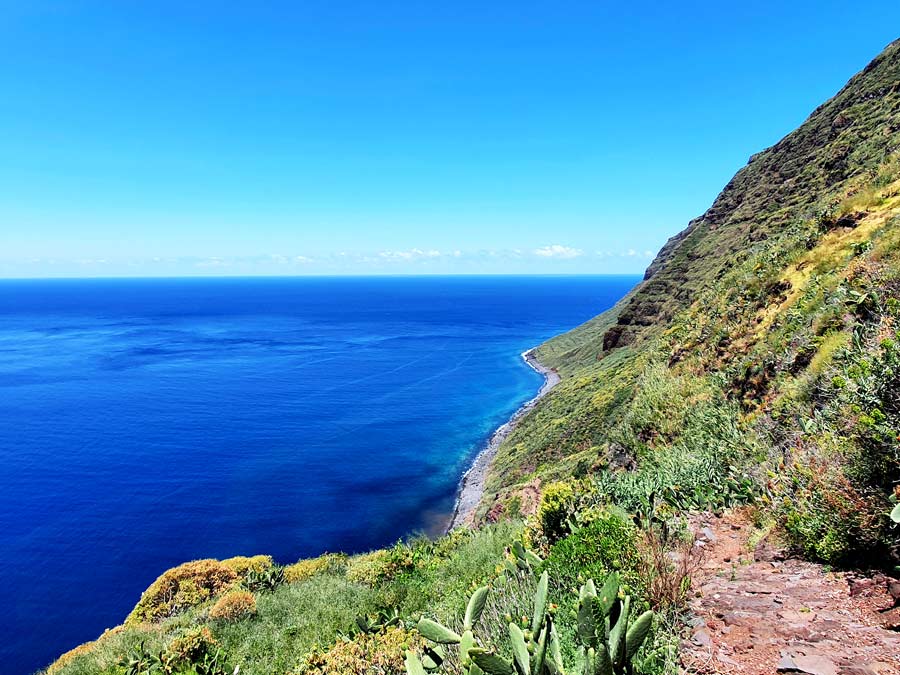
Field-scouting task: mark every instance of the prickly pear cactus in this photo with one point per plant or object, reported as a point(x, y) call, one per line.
point(609, 634)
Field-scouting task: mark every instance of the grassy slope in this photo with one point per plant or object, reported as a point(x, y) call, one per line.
point(756, 357)
point(299, 617)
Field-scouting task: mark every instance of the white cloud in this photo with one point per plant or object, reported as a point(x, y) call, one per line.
point(410, 254)
point(558, 251)
point(401, 259)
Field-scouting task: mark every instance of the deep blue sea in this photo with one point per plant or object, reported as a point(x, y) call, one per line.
point(144, 423)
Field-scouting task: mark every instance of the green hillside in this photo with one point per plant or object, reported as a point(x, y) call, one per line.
point(758, 363)
point(761, 343)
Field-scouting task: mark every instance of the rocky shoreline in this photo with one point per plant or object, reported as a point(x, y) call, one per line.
point(471, 487)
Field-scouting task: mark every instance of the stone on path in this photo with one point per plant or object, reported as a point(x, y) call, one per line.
point(758, 612)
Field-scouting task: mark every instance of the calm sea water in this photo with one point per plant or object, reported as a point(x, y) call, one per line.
point(144, 423)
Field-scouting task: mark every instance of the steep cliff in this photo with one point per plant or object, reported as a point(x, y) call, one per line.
point(762, 342)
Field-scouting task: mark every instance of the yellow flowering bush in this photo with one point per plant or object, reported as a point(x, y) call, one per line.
point(233, 606)
point(304, 569)
point(380, 653)
point(242, 564)
point(187, 585)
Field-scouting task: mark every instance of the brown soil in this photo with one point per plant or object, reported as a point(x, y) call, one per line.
point(756, 611)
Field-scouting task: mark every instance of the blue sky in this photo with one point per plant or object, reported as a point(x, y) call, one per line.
point(393, 137)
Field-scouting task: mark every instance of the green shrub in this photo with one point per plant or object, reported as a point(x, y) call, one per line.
point(195, 652)
point(830, 495)
point(823, 515)
point(697, 473)
point(557, 503)
point(377, 566)
point(593, 551)
point(443, 581)
point(193, 647)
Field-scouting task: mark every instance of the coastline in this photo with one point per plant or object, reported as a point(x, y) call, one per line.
point(471, 486)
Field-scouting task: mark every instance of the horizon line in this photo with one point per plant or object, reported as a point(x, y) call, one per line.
point(123, 277)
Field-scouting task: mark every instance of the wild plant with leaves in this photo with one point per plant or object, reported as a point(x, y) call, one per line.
point(381, 621)
point(521, 560)
point(266, 580)
point(201, 659)
point(608, 633)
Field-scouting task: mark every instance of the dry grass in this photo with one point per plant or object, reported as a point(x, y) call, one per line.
point(187, 585)
point(234, 606)
point(669, 560)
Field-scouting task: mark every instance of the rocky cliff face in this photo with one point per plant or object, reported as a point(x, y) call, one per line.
point(849, 135)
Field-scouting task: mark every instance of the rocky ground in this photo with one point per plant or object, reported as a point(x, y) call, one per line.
point(756, 611)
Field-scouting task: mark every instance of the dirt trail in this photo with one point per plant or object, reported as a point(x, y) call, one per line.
point(755, 612)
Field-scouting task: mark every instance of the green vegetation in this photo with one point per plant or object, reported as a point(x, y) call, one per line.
point(362, 614)
point(298, 622)
point(194, 653)
point(758, 361)
point(607, 544)
point(757, 364)
point(609, 634)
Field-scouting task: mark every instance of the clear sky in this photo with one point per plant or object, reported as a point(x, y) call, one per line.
point(177, 138)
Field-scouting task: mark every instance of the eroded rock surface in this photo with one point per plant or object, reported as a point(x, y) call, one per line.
point(757, 611)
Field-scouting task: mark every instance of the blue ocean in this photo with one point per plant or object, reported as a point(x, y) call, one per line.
point(144, 423)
